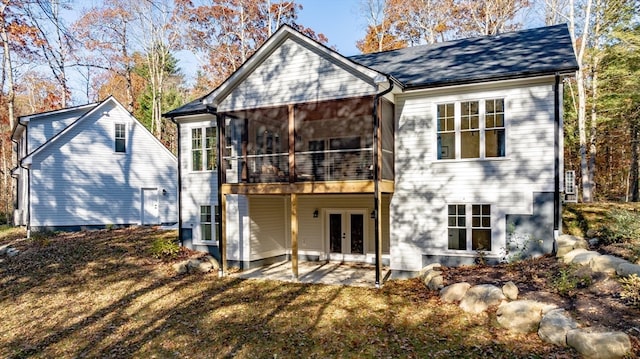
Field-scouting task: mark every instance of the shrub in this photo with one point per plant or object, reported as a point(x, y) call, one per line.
point(164, 248)
point(623, 226)
point(631, 290)
point(567, 280)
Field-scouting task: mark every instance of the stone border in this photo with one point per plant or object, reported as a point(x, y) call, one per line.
point(554, 325)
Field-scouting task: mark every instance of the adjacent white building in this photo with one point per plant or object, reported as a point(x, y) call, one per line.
point(91, 166)
point(406, 157)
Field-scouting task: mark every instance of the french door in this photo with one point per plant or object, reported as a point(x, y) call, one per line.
point(346, 234)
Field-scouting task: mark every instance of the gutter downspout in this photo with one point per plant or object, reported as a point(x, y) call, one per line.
point(218, 214)
point(26, 146)
point(173, 119)
point(556, 162)
point(376, 178)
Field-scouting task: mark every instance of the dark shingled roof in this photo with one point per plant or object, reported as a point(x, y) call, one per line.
point(191, 108)
point(532, 52)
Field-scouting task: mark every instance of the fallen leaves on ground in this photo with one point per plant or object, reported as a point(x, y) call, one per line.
point(101, 294)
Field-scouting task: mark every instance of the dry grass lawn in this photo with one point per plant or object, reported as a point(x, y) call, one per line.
point(101, 294)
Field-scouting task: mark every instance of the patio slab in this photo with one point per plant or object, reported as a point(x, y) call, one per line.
point(332, 273)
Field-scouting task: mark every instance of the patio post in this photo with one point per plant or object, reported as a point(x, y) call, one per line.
point(294, 235)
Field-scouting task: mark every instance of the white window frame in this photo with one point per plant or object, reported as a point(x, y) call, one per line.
point(203, 148)
point(481, 128)
point(469, 226)
point(213, 223)
point(116, 137)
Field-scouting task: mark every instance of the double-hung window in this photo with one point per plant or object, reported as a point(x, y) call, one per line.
point(208, 222)
point(469, 226)
point(203, 149)
point(120, 138)
point(471, 129)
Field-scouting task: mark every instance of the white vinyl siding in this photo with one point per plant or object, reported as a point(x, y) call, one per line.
point(44, 127)
point(268, 226)
point(80, 180)
point(425, 186)
point(296, 73)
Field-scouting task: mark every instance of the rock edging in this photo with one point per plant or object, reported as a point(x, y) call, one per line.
point(553, 325)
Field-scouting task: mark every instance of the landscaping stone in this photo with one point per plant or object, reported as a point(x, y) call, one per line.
point(627, 269)
point(594, 242)
point(4, 248)
point(12, 252)
point(429, 267)
point(428, 275)
point(566, 243)
point(214, 262)
point(436, 283)
point(510, 290)
point(180, 267)
point(554, 327)
point(601, 345)
point(522, 316)
point(196, 265)
point(606, 263)
point(480, 297)
point(568, 258)
point(584, 258)
point(455, 292)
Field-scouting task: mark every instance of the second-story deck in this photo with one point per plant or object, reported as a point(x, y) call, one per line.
point(324, 147)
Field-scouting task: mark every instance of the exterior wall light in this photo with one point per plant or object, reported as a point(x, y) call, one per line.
point(315, 214)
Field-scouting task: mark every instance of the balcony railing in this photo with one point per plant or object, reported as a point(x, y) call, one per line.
point(329, 165)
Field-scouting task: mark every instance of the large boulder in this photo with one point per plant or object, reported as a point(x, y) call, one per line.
point(606, 264)
point(181, 267)
point(510, 290)
point(584, 258)
point(566, 243)
point(214, 262)
point(601, 345)
point(455, 292)
point(480, 297)
point(428, 268)
point(568, 258)
point(199, 266)
point(627, 269)
point(554, 327)
point(433, 279)
point(522, 316)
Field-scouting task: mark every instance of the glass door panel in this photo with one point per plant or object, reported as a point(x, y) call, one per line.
point(335, 232)
point(357, 233)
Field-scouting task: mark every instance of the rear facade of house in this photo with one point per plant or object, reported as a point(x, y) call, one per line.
point(401, 158)
point(92, 166)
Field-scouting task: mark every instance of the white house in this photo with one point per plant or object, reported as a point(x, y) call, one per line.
point(91, 166)
point(405, 157)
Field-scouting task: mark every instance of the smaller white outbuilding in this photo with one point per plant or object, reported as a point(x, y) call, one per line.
point(91, 166)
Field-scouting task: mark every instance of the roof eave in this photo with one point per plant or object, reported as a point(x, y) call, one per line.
point(562, 72)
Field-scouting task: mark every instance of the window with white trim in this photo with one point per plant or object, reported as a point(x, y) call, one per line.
point(120, 138)
point(471, 129)
point(203, 149)
point(209, 222)
point(469, 226)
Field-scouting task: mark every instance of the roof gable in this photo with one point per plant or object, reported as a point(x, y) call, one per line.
point(99, 107)
point(532, 52)
point(291, 62)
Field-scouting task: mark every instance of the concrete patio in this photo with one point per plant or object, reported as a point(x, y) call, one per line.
point(332, 273)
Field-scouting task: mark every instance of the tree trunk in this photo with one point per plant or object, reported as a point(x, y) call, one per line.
point(8, 70)
point(634, 192)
